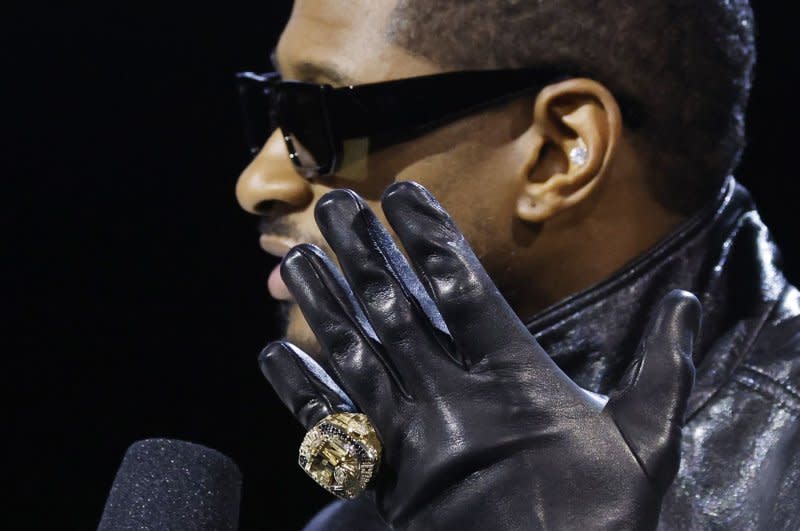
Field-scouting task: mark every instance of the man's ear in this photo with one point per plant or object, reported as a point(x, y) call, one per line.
point(579, 124)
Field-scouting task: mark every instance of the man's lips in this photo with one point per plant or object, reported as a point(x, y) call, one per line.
point(277, 246)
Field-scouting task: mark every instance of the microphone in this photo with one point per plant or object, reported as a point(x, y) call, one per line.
point(168, 484)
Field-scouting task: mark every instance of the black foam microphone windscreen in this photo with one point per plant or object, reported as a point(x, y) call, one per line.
point(165, 484)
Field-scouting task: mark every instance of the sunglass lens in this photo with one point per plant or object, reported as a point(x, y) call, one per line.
point(304, 123)
point(254, 103)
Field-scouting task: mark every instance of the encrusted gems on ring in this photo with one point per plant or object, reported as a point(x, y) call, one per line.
point(341, 453)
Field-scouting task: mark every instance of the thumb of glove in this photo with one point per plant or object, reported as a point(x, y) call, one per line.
point(650, 407)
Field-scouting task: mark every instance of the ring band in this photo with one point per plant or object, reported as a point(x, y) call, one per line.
point(341, 453)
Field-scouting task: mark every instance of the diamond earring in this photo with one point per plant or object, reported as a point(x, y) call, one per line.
point(579, 155)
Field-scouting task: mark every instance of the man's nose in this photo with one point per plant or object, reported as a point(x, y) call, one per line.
point(271, 180)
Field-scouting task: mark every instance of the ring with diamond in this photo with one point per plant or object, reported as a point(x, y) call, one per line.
point(341, 453)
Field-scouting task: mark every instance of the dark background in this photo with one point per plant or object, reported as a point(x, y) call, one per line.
point(133, 289)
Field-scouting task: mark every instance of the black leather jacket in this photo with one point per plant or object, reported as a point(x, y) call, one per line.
point(740, 464)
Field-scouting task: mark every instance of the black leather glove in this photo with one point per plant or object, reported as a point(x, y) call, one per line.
point(480, 428)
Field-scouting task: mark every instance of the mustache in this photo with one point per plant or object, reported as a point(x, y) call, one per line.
point(284, 228)
point(277, 227)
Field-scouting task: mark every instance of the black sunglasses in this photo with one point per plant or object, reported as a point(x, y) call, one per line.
point(316, 119)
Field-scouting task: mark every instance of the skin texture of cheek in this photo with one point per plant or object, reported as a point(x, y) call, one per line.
point(478, 186)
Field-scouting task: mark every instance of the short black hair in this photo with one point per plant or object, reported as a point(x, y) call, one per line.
point(688, 62)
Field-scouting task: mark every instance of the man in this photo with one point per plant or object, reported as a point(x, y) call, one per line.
point(587, 198)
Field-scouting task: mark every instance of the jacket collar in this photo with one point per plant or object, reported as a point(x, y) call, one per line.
point(723, 254)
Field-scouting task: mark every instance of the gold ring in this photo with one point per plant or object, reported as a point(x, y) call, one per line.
point(341, 453)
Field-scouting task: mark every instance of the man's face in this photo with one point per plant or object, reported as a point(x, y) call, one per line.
point(472, 166)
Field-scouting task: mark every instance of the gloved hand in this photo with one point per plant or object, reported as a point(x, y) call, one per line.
point(480, 428)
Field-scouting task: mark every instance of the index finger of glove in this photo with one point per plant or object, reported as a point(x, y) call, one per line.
point(357, 359)
point(302, 384)
point(476, 313)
